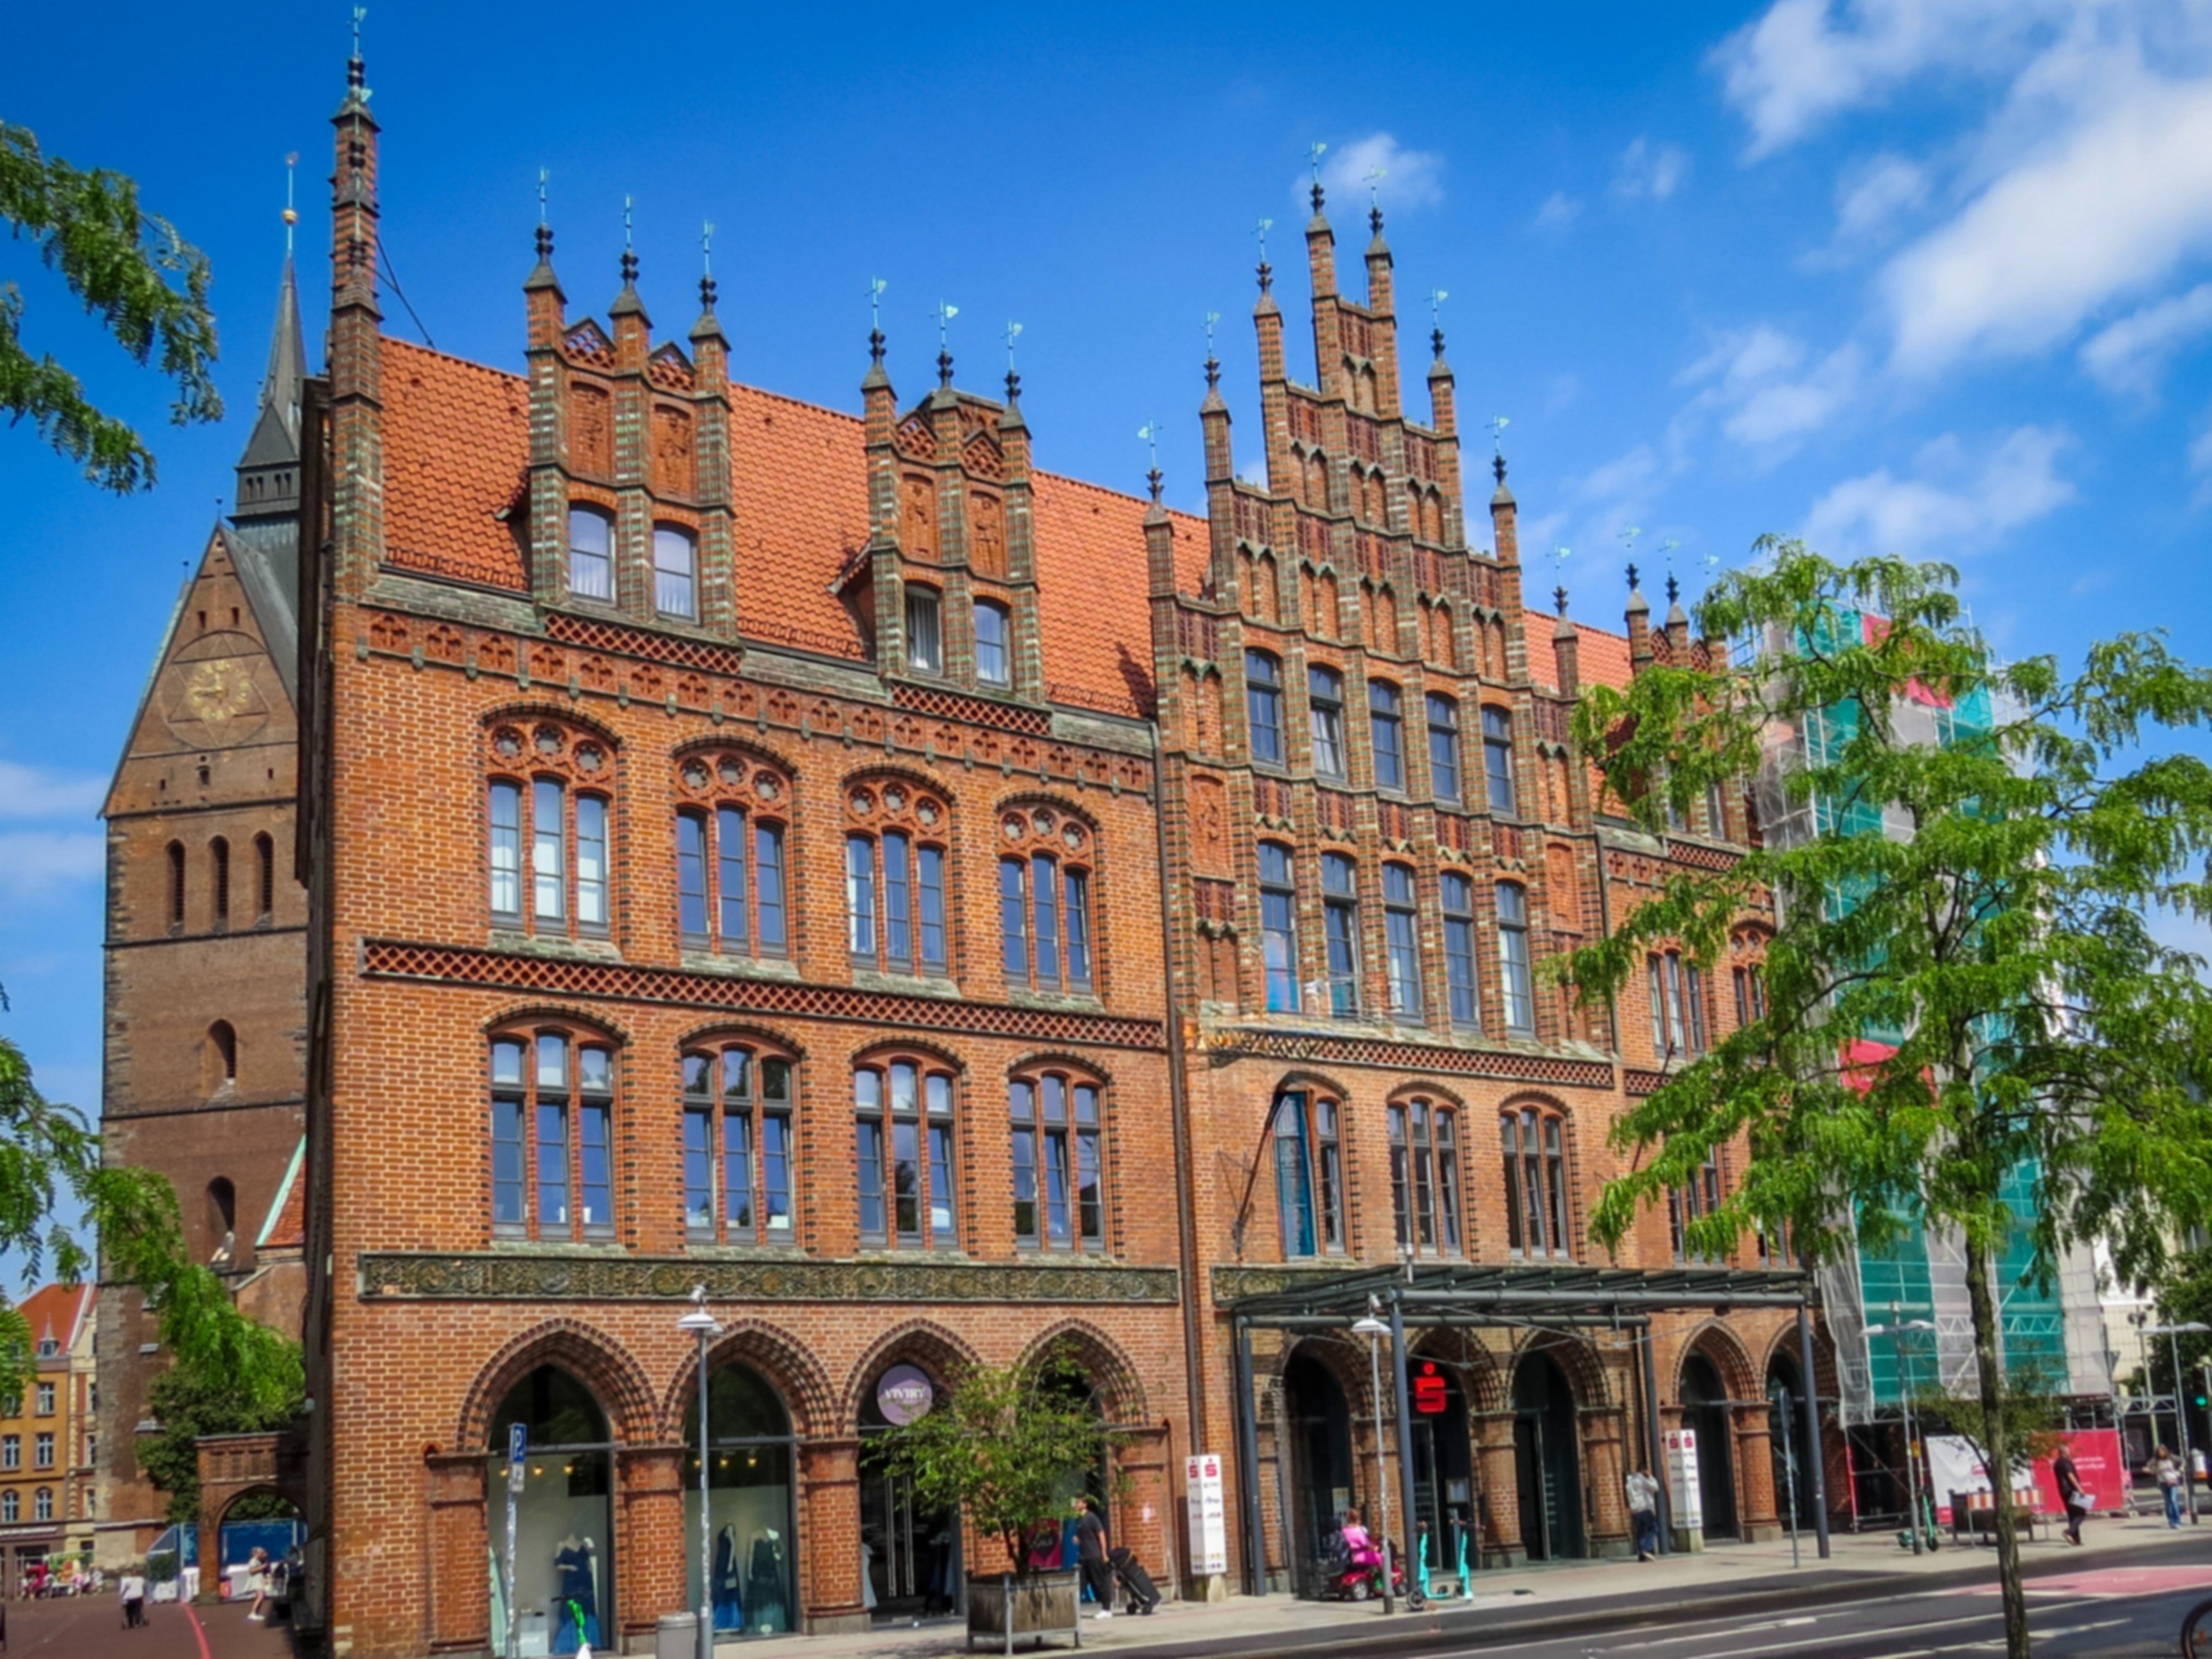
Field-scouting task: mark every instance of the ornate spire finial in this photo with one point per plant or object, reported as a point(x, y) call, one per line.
point(544, 227)
point(1314, 153)
point(1150, 432)
point(1212, 362)
point(945, 314)
point(291, 213)
point(1498, 424)
point(1266, 270)
point(1437, 298)
point(1497, 468)
point(356, 71)
point(707, 289)
point(1673, 588)
point(876, 287)
point(1013, 379)
point(1375, 178)
point(1631, 577)
point(1560, 598)
point(629, 252)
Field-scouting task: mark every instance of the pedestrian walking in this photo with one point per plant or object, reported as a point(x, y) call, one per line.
point(131, 1590)
point(257, 1580)
point(2167, 1468)
point(1091, 1553)
point(2071, 1492)
point(1643, 1513)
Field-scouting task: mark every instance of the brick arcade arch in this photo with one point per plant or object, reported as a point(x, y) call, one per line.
point(614, 1379)
point(782, 1360)
point(1120, 1391)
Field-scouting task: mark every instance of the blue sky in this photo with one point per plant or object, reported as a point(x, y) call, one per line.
point(1925, 275)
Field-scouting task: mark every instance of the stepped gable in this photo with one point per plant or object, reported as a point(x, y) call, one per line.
point(457, 441)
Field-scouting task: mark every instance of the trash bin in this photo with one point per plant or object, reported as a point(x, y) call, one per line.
point(677, 1637)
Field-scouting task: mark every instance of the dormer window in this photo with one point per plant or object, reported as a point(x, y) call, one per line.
point(925, 644)
point(590, 554)
point(675, 572)
point(991, 632)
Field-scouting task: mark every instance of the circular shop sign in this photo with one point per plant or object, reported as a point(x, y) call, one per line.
point(904, 1394)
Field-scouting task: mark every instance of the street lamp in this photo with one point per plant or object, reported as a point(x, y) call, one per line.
point(2174, 1333)
point(1375, 1330)
point(701, 1324)
point(1895, 1331)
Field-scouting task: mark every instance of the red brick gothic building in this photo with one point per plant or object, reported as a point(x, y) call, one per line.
point(949, 911)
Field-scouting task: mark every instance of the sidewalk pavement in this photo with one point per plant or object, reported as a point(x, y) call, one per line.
point(1700, 1585)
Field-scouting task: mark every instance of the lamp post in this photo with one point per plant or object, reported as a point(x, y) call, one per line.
point(1896, 1331)
point(2174, 1333)
point(1375, 1330)
point(701, 1324)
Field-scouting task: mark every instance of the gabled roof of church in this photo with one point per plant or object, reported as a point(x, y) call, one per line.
point(456, 451)
point(276, 435)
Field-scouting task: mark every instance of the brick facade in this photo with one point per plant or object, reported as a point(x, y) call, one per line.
point(945, 684)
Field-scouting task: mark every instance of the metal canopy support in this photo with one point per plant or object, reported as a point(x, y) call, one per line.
point(1655, 1447)
point(1816, 1456)
point(1471, 1290)
point(1248, 1466)
point(1412, 1556)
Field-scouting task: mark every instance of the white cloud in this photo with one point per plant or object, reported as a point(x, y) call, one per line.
point(1770, 392)
point(1806, 61)
point(1655, 171)
point(1559, 211)
point(1871, 199)
point(1952, 506)
point(25, 792)
point(2112, 205)
point(2129, 354)
point(34, 862)
point(1411, 178)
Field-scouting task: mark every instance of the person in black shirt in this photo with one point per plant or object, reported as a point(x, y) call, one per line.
point(1091, 1551)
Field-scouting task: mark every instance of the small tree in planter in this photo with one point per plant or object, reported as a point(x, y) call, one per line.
point(1003, 1448)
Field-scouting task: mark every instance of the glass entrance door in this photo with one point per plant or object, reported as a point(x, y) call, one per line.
point(913, 1556)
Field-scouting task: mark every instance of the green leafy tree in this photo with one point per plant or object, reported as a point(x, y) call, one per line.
point(2184, 1297)
point(1007, 1448)
point(148, 286)
point(2019, 1013)
point(190, 1399)
point(2029, 1402)
point(50, 1161)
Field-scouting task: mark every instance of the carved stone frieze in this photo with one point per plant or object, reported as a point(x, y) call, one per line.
point(499, 1275)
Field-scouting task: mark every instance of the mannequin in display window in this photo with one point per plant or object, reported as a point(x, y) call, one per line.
point(764, 1583)
point(575, 1595)
point(729, 1605)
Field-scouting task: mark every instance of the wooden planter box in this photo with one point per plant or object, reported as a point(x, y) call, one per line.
point(1037, 1605)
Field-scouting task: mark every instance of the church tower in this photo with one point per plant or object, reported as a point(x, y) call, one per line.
point(206, 1018)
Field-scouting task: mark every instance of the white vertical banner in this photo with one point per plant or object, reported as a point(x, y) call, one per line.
point(1208, 1513)
point(1683, 1497)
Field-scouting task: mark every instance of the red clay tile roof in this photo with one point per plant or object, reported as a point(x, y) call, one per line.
point(56, 1310)
point(1601, 659)
point(456, 443)
point(288, 1227)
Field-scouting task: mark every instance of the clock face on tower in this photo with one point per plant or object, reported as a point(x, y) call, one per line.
point(213, 702)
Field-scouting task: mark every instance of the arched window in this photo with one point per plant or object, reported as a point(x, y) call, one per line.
point(42, 1504)
point(1750, 991)
point(1044, 900)
point(1401, 935)
point(265, 874)
point(1340, 903)
point(925, 643)
point(552, 1132)
point(729, 882)
point(675, 572)
point(1457, 892)
point(1497, 762)
point(1385, 726)
point(1424, 1176)
point(553, 805)
point(176, 886)
point(222, 1209)
point(591, 554)
point(11, 1505)
point(1686, 1204)
point(1325, 715)
point(1515, 979)
point(1308, 1173)
point(1059, 1196)
point(1263, 706)
point(895, 878)
point(1677, 1006)
point(993, 631)
point(737, 1102)
point(219, 881)
point(1443, 747)
point(222, 1067)
point(1535, 1182)
point(1716, 810)
point(1279, 927)
point(903, 1113)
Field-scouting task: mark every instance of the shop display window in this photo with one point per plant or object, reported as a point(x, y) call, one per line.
point(750, 1514)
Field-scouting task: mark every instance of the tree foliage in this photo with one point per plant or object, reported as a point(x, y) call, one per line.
point(189, 1400)
point(2034, 1416)
point(50, 1159)
point(1006, 1447)
point(1974, 993)
point(148, 286)
point(2185, 1297)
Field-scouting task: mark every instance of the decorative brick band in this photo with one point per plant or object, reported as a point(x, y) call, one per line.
point(598, 636)
point(1638, 1082)
point(627, 982)
point(496, 1276)
point(1236, 1284)
point(975, 711)
point(1416, 1057)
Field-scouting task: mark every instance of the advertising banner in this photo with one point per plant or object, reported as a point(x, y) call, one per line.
point(1684, 1498)
point(2099, 1462)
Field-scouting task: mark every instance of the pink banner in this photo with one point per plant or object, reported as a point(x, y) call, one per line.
point(2099, 1463)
